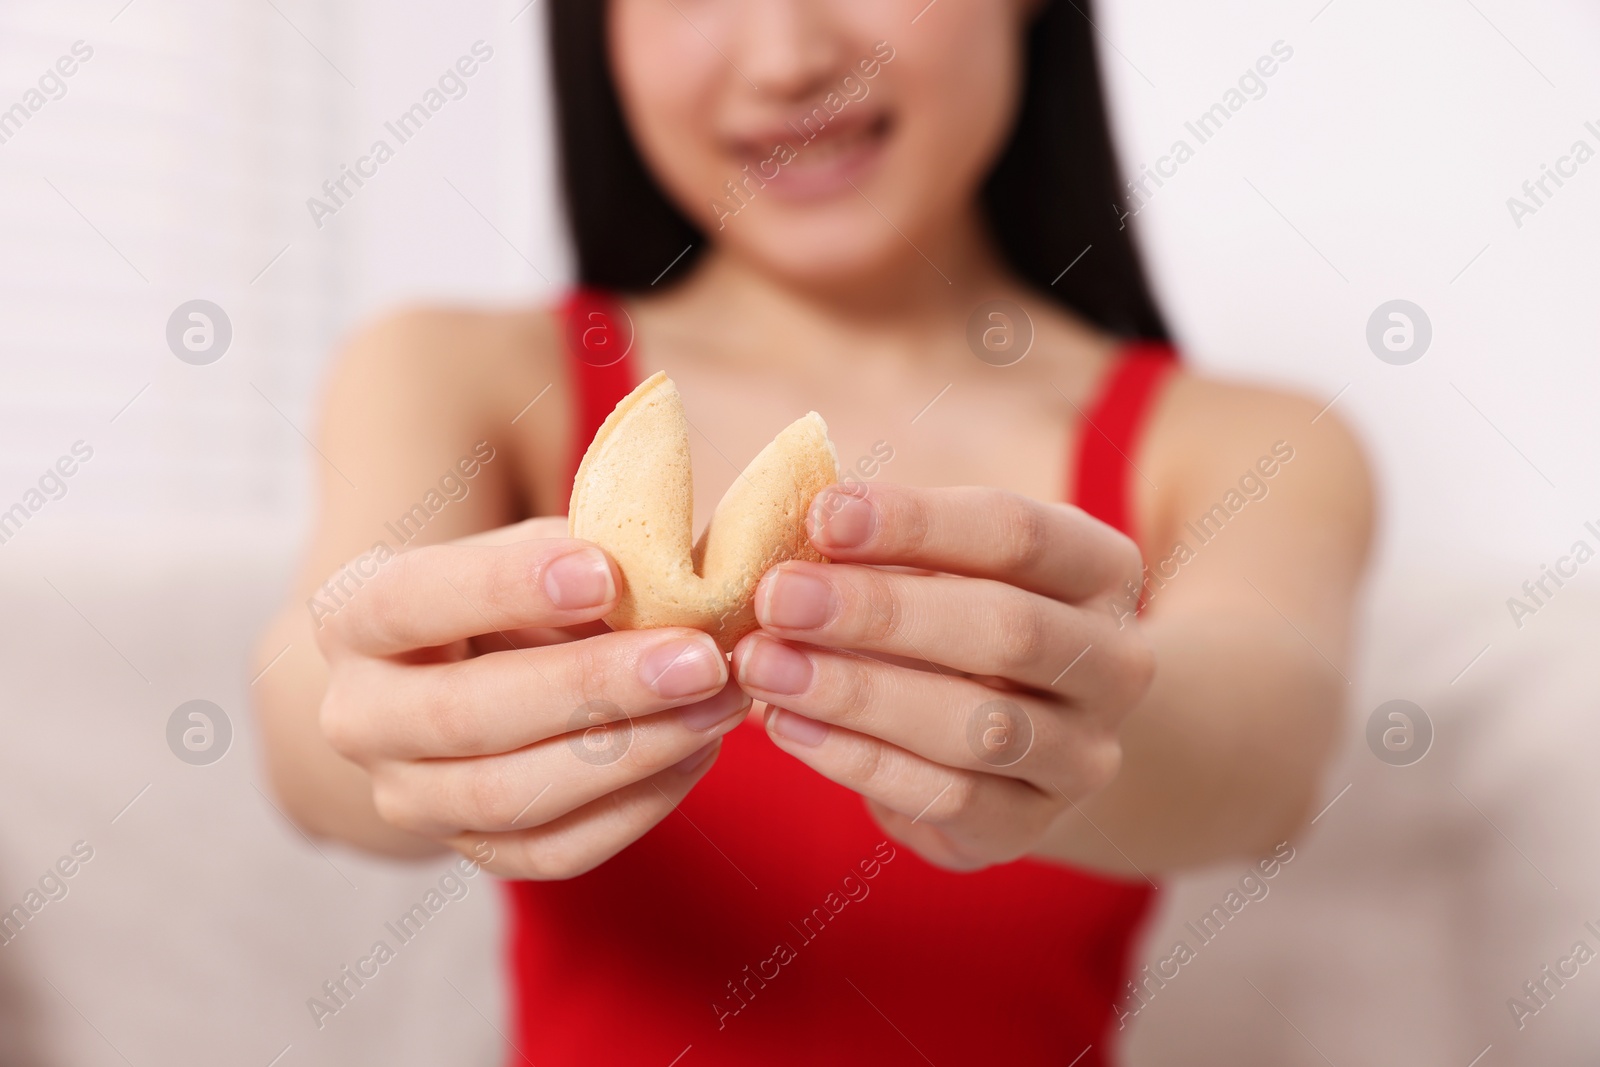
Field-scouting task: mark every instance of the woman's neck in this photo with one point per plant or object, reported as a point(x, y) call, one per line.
point(961, 266)
point(912, 308)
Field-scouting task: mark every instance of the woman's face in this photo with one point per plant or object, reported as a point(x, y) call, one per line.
point(821, 139)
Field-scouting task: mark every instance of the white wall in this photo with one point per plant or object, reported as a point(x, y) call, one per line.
point(1376, 166)
point(417, 238)
point(190, 142)
point(1390, 142)
point(184, 151)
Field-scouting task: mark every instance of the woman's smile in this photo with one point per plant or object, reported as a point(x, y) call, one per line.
point(814, 154)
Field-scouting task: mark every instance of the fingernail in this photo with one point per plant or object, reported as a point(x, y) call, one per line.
point(681, 667)
point(842, 520)
point(580, 579)
point(795, 600)
point(775, 667)
point(726, 706)
point(692, 761)
point(797, 728)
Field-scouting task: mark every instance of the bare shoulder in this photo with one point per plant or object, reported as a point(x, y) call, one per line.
point(422, 383)
point(427, 429)
point(1209, 419)
point(460, 357)
point(1209, 438)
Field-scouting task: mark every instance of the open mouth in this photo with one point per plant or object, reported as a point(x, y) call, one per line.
point(815, 154)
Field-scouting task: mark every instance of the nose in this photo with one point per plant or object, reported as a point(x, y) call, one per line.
point(786, 48)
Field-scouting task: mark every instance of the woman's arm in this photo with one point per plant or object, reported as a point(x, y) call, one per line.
point(1252, 562)
point(456, 688)
point(1009, 703)
point(405, 406)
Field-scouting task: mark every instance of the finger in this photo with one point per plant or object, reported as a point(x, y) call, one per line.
point(1056, 550)
point(545, 526)
point(527, 636)
point(932, 844)
point(968, 624)
point(949, 720)
point(438, 594)
point(583, 839)
point(534, 637)
point(502, 701)
point(1000, 816)
point(544, 782)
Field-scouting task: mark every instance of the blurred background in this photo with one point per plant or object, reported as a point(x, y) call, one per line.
point(1452, 863)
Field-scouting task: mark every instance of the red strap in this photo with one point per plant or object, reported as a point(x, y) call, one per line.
point(598, 337)
point(1109, 436)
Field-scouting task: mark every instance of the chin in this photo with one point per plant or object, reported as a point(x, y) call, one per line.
point(817, 263)
point(820, 247)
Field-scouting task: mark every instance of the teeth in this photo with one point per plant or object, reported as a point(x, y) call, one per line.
point(831, 146)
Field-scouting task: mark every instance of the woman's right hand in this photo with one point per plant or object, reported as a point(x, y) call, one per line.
point(475, 685)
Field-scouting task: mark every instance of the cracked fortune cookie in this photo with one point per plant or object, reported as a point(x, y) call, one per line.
point(634, 497)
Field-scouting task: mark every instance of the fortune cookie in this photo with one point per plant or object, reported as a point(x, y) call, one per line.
point(634, 497)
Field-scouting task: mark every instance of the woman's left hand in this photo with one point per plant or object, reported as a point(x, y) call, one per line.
point(972, 699)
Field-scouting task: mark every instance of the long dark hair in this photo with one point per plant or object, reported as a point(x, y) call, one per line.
point(1054, 191)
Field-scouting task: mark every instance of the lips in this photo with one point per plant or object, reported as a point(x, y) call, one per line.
point(823, 158)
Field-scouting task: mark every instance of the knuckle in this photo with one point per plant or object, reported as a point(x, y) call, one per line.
point(867, 765)
point(878, 614)
point(553, 860)
point(524, 857)
point(1136, 661)
point(556, 855)
point(590, 666)
point(404, 795)
point(340, 720)
point(331, 634)
point(509, 579)
point(485, 801)
point(451, 708)
point(354, 602)
point(536, 866)
point(395, 806)
point(384, 602)
point(1129, 565)
point(847, 690)
point(1119, 560)
point(906, 515)
point(1022, 633)
point(1102, 761)
point(1024, 533)
point(956, 802)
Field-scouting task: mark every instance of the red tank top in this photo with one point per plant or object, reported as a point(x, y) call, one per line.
point(769, 921)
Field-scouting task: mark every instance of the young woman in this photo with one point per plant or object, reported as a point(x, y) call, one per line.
point(917, 816)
